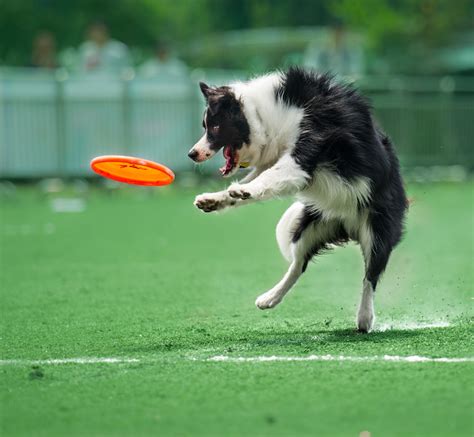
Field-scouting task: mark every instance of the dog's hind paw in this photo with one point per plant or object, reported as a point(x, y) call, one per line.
point(365, 320)
point(268, 300)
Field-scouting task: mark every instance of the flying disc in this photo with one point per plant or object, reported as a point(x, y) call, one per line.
point(132, 170)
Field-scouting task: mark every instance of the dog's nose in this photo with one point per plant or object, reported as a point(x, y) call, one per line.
point(193, 154)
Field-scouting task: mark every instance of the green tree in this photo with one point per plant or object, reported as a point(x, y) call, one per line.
point(405, 32)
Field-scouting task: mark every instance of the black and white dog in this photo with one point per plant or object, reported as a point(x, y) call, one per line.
point(304, 134)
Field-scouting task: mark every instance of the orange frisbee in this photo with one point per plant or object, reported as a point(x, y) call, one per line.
point(131, 170)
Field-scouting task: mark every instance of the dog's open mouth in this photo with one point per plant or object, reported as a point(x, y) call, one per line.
point(231, 161)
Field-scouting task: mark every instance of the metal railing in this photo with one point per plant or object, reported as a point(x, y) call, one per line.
point(53, 125)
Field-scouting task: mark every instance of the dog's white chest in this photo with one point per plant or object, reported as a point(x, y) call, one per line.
point(334, 197)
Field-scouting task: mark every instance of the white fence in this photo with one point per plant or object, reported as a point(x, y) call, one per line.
point(53, 126)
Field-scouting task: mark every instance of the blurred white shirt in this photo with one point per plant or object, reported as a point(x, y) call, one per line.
point(171, 67)
point(112, 56)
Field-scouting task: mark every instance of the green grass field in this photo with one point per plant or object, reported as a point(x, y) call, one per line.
point(141, 274)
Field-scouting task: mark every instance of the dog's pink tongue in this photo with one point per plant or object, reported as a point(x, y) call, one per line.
point(229, 161)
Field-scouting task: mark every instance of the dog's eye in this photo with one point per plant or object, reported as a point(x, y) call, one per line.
point(215, 129)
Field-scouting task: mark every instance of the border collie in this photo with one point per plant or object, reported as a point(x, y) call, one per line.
point(305, 135)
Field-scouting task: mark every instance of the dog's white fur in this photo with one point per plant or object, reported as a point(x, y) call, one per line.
point(274, 127)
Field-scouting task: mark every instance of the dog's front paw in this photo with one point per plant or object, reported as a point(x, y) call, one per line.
point(268, 300)
point(238, 191)
point(209, 202)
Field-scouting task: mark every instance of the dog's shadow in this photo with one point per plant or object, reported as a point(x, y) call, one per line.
point(312, 338)
point(281, 341)
point(354, 336)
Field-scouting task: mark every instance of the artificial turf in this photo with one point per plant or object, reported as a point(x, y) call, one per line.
point(141, 274)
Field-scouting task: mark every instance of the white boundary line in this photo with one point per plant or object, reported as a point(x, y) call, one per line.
point(80, 360)
point(356, 359)
point(382, 328)
point(231, 359)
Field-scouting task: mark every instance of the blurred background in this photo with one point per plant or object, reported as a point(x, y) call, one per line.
point(81, 78)
point(94, 268)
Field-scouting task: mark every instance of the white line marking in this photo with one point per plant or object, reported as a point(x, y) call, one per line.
point(230, 359)
point(375, 358)
point(81, 360)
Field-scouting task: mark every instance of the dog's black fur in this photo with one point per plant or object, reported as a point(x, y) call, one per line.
point(338, 130)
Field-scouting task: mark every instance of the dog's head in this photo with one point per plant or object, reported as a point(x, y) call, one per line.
point(225, 128)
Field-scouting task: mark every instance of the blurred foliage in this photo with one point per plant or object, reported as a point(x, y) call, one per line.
point(396, 23)
point(403, 30)
point(406, 32)
point(134, 22)
point(139, 23)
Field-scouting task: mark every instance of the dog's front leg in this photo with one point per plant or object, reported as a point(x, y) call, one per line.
point(250, 176)
point(210, 202)
point(253, 174)
point(285, 177)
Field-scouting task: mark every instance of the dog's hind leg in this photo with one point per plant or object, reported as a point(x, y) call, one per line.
point(286, 228)
point(301, 234)
point(377, 238)
point(274, 296)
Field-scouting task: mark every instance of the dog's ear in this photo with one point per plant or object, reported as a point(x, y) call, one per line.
point(205, 89)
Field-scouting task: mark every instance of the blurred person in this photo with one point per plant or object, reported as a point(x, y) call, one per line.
point(163, 62)
point(340, 54)
point(102, 53)
point(44, 51)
